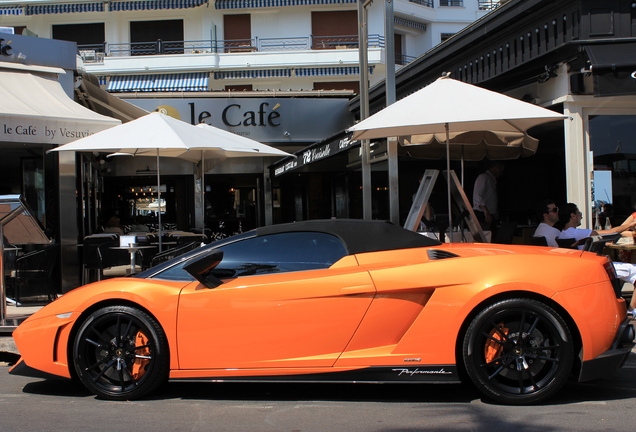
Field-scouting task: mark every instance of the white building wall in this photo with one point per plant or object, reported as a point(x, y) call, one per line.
point(205, 23)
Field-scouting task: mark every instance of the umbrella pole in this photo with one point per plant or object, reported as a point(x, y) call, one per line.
point(462, 167)
point(448, 182)
point(203, 193)
point(159, 200)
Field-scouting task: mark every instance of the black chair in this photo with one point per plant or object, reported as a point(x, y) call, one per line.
point(98, 254)
point(34, 275)
point(173, 253)
point(114, 257)
point(144, 256)
point(539, 241)
point(92, 258)
point(572, 243)
point(597, 242)
point(505, 232)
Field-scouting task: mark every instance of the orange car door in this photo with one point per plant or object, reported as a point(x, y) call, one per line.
point(296, 319)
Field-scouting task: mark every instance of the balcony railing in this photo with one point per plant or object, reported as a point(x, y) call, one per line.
point(403, 60)
point(488, 4)
point(96, 53)
point(427, 3)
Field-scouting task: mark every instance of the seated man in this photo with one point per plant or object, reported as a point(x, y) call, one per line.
point(570, 215)
point(549, 213)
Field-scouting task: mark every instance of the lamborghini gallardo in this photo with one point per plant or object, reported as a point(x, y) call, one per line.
point(340, 301)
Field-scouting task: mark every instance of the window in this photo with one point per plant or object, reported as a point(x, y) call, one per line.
point(334, 30)
point(446, 36)
point(237, 33)
point(33, 188)
point(451, 2)
point(276, 253)
point(87, 36)
point(399, 58)
point(281, 253)
point(614, 150)
point(156, 37)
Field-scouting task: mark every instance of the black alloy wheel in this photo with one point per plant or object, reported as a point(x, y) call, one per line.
point(518, 352)
point(121, 353)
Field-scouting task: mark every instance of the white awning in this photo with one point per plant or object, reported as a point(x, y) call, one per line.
point(11, 7)
point(35, 109)
point(196, 81)
point(241, 4)
point(90, 95)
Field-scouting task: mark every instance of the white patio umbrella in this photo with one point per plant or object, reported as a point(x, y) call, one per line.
point(447, 107)
point(157, 134)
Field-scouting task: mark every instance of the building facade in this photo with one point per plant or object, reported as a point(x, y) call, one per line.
point(237, 44)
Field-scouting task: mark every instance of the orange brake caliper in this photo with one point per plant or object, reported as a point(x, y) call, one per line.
point(493, 349)
point(140, 364)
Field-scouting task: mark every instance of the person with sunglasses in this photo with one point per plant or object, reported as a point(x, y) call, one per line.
point(549, 213)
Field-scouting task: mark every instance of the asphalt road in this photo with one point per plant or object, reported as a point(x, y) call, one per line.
point(28, 404)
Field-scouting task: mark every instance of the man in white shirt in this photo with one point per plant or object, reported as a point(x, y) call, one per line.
point(550, 214)
point(485, 203)
point(571, 215)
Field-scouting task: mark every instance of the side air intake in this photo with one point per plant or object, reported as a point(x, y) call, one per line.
point(437, 254)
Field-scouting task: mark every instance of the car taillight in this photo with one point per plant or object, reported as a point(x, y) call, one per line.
point(617, 284)
point(609, 268)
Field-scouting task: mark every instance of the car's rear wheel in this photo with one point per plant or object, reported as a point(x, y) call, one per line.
point(121, 353)
point(518, 351)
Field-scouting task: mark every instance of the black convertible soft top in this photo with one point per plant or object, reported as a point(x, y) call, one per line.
point(357, 235)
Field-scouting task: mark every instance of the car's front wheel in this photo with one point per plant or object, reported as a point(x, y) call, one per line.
point(121, 353)
point(518, 351)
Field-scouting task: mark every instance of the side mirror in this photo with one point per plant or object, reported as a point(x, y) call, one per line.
point(202, 268)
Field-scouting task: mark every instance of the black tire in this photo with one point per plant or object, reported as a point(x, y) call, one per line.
point(121, 353)
point(518, 352)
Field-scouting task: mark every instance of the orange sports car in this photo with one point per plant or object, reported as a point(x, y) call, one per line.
point(340, 301)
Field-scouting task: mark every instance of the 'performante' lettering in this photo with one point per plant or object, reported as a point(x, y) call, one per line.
point(411, 372)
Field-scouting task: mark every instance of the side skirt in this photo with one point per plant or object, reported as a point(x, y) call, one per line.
point(390, 374)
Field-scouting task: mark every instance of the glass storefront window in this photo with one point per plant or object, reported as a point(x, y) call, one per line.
point(142, 201)
point(613, 146)
point(33, 186)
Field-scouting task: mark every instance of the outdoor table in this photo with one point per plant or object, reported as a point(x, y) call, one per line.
point(625, 246)
point(620, 246)
point(132, 250)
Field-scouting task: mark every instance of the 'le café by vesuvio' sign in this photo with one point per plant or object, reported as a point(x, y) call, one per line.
point(35, 130)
